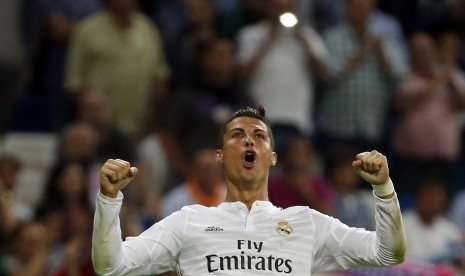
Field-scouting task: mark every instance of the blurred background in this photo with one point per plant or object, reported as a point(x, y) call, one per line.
point(151, 82)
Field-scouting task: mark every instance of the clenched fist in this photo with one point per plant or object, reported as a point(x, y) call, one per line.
point(115, 175)
point(372, 167)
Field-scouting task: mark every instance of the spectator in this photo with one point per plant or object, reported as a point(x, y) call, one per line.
point(204, 185)
point(94, 110)
point(352, 205)
point(279, 66)
point(118, 52)
point(194, 114)
point(58, 22)
point(426, 137)
point(12, 60)
point(78, 142)
point(297, 183)
point(29, 255)
point(363, 67)
point(430, 236)
point(12, 211)
point(67, 185)
point(77, 243)
point(186, 25)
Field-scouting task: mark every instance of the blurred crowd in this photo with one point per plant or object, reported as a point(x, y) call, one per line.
point(151, 82)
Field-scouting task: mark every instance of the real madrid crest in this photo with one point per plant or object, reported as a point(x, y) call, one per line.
point(284, 228)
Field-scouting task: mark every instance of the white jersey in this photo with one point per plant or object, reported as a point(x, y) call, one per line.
point(231, 240)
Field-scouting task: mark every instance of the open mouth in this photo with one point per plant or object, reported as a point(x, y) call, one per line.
point(249, 159)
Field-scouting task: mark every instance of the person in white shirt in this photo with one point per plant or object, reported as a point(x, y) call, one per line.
point(246, 234)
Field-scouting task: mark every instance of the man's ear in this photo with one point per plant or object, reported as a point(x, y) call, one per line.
point(274, 158)
point(219, 156)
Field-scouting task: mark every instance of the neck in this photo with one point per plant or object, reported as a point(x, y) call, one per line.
point(122, 20)
point(359, 28)
point(247, 193)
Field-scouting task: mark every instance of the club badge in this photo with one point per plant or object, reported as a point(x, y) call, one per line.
point(284, 228)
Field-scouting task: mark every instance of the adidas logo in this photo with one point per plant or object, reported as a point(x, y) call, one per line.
point(213, 229)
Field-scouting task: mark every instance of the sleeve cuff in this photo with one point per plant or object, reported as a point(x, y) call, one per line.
point(108, 200)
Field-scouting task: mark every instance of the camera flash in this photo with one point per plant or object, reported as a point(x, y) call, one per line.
point(288, 19)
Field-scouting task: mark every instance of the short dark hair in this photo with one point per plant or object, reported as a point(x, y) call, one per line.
point(259, 113)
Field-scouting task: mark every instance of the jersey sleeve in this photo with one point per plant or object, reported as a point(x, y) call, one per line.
point(152, 252)
point(339, 246)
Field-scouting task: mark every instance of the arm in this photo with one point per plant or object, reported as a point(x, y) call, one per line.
point(248, 64)
point(341, 247)
point(315, 52)
point(151, 252)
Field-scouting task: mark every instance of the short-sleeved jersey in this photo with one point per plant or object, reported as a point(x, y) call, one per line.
point(232, 240)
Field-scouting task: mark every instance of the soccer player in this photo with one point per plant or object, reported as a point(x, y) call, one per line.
point(246, 234)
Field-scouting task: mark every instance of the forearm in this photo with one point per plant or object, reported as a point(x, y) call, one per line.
point(106, 237)
point(390, 236)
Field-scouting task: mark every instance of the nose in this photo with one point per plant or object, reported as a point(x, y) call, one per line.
point(249, 141)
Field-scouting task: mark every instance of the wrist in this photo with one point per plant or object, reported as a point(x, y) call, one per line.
point(109, 194)
point(384, 190)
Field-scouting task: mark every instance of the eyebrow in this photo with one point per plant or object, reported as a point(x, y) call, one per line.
point(256, 130)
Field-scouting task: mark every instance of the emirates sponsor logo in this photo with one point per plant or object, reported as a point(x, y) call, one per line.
point(248, 257)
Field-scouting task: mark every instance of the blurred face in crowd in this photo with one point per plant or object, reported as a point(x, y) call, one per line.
point(357, 12)
point(449, 48)
point(423, 52)
point(274, 8)
point(206, 169)
point(199, 12)
point(121, 6)
point(71, 181)
point(298, 154)
point(94, 108)
point(79, 142)
point(344, 179)
point(430, 201)
point(9, 171)
point(32, 239)
point(218, 62)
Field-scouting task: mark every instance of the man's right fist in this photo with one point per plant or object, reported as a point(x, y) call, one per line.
point(115, 175)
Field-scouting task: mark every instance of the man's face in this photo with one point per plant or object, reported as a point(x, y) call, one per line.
point(358, 11)
point(247, 154)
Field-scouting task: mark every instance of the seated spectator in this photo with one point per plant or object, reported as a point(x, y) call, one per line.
point(204, 185)
point(29, 253)
point(296, 183)
point(352, 205)
point(12, 211)
point(93, 108)
point(67, 186)
point(78, 142)
point(430, 235)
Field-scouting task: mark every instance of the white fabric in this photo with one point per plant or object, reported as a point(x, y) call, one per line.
point(384, 190)
point(230, 240)
point(431, 242)
point(282, 81)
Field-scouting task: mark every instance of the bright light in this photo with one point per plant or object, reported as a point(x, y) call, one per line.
point(288, 19)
